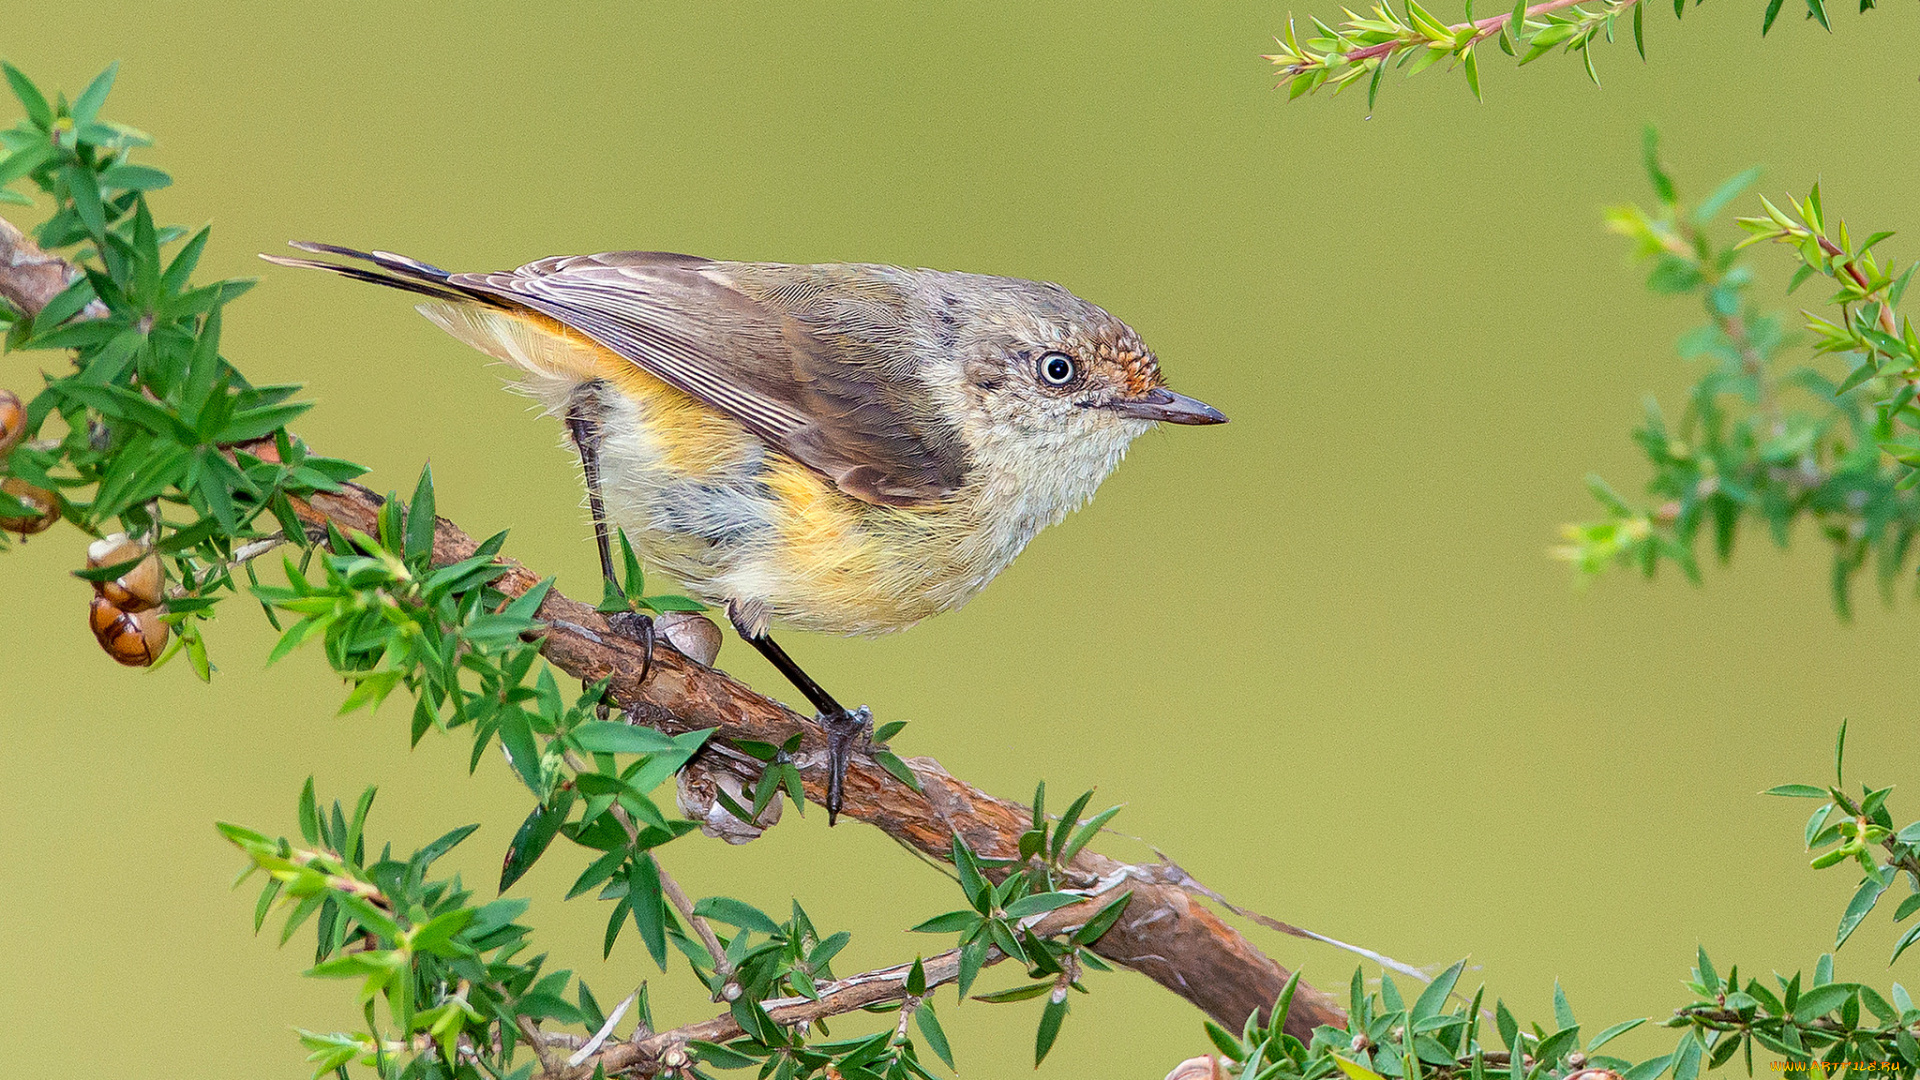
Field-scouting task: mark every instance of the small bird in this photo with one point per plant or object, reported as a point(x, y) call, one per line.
point(839, 447)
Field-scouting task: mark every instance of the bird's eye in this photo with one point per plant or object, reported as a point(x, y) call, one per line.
point(1056, 369)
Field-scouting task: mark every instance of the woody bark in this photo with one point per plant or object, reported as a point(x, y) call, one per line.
point(1164, 933)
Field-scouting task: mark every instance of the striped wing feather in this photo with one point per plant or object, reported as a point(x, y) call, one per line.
point(849, 408)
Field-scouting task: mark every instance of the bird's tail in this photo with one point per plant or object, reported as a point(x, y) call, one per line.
point(410, 275)
point(556, 356)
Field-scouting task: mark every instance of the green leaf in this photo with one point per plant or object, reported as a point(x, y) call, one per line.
point(1840, 740)
point(1650, 160)
point(1613, 1032)
point(87, 106)
point(1773, 9)
point(972, 882)
point(1086, 833)
point(1102, 920)
point(649, 906)
point(896, 768)
point(530, 842)
point(134, 178)
point(31, 99)
point(1818, 1001)
point(1729, 190)
point(973, 955)
point(1797, 791)
point(436, 936)
point(736, 913)
point(247, 425)
point(517, 737)
point(609, 737)
point(1907, 939)
point(1709, 978)
point(1050, 1020)
point(309, 814)
point(936, 1038)
point(1434, 998)
point(718, 1056)
point(1041, 902)
point(1355, 1070)
point(1648, 1069)
point(1863, 900)
point(950, 923)
point(1818, 9)
point(1023, 992)
point(1686, 1059)
point(84, 187)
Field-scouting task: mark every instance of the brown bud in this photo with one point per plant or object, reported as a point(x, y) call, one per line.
point(691, 634)
point(13, 421)
point(132, 638)
point(136, 590)
point(43, 504)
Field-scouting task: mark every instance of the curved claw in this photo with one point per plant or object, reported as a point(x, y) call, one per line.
point(637, 628)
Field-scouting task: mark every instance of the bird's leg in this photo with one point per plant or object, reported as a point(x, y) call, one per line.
point(583, 426)
point(843, 728)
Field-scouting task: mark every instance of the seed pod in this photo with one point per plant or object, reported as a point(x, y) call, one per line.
point(696, 789)
point(1199, 1068)
point(136, 590)
point(691, 634)
point(135, 639)
point(13, 421)
point(44, 504)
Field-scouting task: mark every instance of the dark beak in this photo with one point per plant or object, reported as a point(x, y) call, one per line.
point(1163, 404)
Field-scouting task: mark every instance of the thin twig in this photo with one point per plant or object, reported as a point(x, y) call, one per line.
point(538, 1041)
point(678, 897)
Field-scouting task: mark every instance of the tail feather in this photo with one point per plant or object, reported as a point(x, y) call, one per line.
point(410, 275)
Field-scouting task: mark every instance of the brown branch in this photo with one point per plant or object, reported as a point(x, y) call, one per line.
point(1165, 933)
point(650, 1054)
point(30, 278)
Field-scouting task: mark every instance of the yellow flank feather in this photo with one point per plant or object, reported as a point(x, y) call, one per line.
point(737, 520)
point(705, 500)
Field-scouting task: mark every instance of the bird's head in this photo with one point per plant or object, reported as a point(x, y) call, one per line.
point(1052, 388)
point(1039, 358)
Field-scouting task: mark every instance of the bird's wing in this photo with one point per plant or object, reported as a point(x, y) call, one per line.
point(848, 408)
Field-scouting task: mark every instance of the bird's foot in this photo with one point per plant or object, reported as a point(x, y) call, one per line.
point(637, 628)
point(844, 730)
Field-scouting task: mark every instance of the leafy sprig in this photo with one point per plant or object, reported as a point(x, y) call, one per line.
point(1414, 39)
point(1861, 830)
point(1365, 47)
point(152, 432)
point(1755, 441)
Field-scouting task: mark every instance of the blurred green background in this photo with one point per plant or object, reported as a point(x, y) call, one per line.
point(1320, 653)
